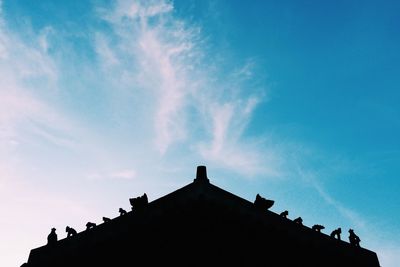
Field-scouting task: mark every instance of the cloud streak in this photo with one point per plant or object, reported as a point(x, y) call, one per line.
point(164, 58)
point(226, 147)
point(310, 177)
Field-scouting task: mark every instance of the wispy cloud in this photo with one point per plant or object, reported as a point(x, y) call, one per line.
point(311, 178)
point(107, 56)
point(43, 38)
point(20, 65)
point(164, 56)
point(157, 53)
point(227, 147)
point(125, 174)
point(372, 236)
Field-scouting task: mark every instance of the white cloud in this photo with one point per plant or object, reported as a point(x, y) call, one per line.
point(124, 174)
point(18, 64)
point(164, 57)
point(133, 9)
point(154, 55)
point(249, 158)
point(246, 71)
point(311, 178)
point(20, 110)
point(43, 38)
point(355, 219)
point(158, 61)
point(108, 58)
point(372, 236)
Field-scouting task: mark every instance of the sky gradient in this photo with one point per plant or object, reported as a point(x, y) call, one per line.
point(101, 101)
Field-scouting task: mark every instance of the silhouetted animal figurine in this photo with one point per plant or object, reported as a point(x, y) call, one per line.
point(121, 211)
point(139, 203)
point(284, 214)
point(336, 233)
point(90, 225)
point(353, 238)
point(52, 237)
point(298, 220)
point(105, 219)
point(70, 231)
point(262, 203)
point(318, 227)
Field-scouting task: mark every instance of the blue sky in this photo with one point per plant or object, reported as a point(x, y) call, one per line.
point(104, 100)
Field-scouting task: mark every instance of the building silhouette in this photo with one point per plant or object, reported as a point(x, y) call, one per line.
point(200, 224)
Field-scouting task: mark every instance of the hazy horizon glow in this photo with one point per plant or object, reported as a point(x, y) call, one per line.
point(104, 100)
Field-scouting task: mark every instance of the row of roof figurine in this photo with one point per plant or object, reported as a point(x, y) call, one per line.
point(261, 203)
point(137, 203)
point(264, 204)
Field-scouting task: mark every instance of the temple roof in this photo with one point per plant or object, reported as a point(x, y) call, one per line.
point(202, 217)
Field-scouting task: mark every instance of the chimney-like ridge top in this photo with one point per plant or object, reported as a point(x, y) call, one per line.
point(201, 174)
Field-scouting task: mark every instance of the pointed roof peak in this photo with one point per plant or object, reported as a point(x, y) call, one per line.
point(201, 175)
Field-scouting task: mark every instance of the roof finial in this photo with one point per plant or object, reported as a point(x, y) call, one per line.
point(201, 174)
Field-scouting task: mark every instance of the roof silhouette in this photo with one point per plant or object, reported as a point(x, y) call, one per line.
point(197, 225)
